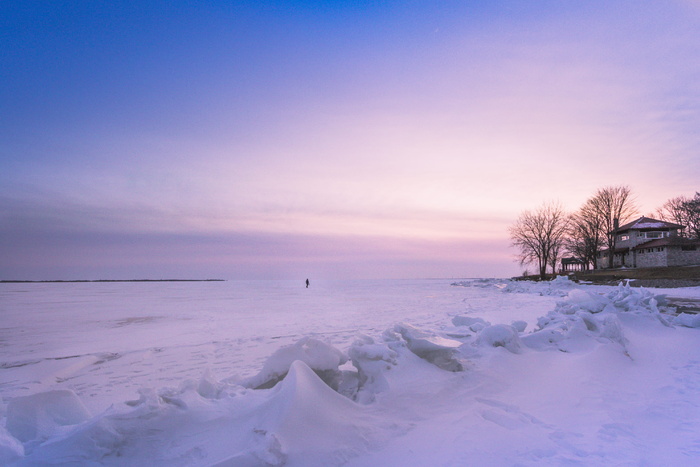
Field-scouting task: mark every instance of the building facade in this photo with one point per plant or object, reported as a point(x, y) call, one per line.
point(648, 242)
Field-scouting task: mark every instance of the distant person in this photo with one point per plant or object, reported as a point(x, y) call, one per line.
point(307, 283)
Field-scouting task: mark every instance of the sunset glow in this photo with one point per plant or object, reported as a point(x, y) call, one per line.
point(295, 139)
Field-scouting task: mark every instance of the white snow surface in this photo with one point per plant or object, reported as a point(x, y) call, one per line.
point(479, 372)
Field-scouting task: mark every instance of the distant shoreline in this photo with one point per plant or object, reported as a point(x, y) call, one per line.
point(664, 277)
point(109, 280)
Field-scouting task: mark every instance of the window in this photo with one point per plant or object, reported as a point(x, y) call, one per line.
point(689, 247)
point(654, 234)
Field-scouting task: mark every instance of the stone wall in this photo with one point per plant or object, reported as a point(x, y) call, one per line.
point(652, 259)
point(658, 257)
point(679, 257)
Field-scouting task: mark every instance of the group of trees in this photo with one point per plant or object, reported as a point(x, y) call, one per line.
point(539, 235)
point(543, 236)
point(684, 211)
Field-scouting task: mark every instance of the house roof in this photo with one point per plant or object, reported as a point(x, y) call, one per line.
point(571, 260)
point(668, 241)
point(647, 223)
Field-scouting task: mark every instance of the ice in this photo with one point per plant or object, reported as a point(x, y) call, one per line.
point(558, 287)
point(500, 335)
point(307, 417)
point(482, 282)
point(578, 300)
point(40, 416)
point(687, 320)
point(300, 421)
point(586, 317)
point(11, 449)
point(372, 360)
point(318, 355)
point(440, 351)
point(474, 324)
point(357, 374)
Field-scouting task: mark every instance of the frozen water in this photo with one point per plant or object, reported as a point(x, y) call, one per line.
point(361, 373)
point(41, 415)
point(322, 358)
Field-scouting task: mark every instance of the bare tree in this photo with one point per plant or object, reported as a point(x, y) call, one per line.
point(555, 254)
point(585, 235)
point(539, 236)
point(675, 210)
point(693, 209)
point(612, 206)
point(684, 211)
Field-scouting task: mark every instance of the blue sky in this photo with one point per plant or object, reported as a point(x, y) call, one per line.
point(328, 139)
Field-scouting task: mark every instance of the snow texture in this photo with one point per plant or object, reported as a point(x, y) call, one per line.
point(319, 356)
point(604, 376)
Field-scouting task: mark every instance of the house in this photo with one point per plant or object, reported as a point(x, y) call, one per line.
point(648, 242)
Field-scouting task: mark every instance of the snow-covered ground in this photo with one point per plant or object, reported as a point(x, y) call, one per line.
point(361, 373)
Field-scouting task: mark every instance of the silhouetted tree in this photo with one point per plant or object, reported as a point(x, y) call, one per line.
point(612, 206)
point(539, 236)
point(675, 210)
point(684, 211)
point(693, 209)
point(555, 254)
point(585, 235)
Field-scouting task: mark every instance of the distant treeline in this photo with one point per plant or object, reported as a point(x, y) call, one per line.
point(110, 280)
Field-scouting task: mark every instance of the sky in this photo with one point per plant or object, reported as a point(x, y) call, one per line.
point(329, 140)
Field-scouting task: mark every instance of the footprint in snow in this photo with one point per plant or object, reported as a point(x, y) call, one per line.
point(509, 416)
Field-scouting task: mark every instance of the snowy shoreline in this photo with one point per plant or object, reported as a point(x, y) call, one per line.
point(400, 373)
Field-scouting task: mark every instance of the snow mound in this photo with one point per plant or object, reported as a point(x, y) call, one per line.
point(300, 420)
point(575, 332)
point(623, 299)
point(372, 360)
point(687, 320)
point(584, 318)
point(500, 335)
point(481, 283)
point(306, 416)
point(43, 415)
point(307, 407)
point(95, 440)
point(558, 287)
point(10, 448)
point(323, 358)
point(579, 300)
point(635, 300)
point(208, 387)
point(439, 351)
point(474, 324)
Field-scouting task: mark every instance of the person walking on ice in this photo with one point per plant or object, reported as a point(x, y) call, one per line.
point(307, 283)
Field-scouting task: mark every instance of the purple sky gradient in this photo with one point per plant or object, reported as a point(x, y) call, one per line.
point(292, 139)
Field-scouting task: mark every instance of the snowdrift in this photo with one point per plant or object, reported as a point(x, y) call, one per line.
point(314, 404)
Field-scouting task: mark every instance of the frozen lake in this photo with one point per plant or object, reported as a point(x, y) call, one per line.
point(104, 344)
point(163, 332)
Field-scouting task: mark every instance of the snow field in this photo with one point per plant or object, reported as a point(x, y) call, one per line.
point(485, 372)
